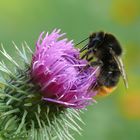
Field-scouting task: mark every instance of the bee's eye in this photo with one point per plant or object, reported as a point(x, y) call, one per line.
point(95, 40)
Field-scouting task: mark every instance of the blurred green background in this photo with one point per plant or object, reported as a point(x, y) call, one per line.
point(115, 117)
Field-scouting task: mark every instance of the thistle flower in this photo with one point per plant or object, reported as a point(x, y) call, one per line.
point(58, 70)
point(39, 97)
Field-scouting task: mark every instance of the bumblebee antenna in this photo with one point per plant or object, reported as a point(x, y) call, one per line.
point(84, 48)
point(82, 41)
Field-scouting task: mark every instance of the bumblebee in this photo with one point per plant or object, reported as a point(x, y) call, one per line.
point(104, 51)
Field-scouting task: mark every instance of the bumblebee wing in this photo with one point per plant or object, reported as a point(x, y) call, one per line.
point(121, 67)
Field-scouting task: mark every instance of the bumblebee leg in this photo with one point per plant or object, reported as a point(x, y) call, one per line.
point(86, 54)
point(93, 64)
point(96, 63)
point(89, 59)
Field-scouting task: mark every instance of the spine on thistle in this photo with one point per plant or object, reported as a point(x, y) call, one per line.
point(43, 93)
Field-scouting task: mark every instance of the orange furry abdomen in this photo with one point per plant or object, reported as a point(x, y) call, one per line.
point(105, 90)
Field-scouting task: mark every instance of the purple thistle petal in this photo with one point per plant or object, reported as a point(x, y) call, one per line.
point(59, 71)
